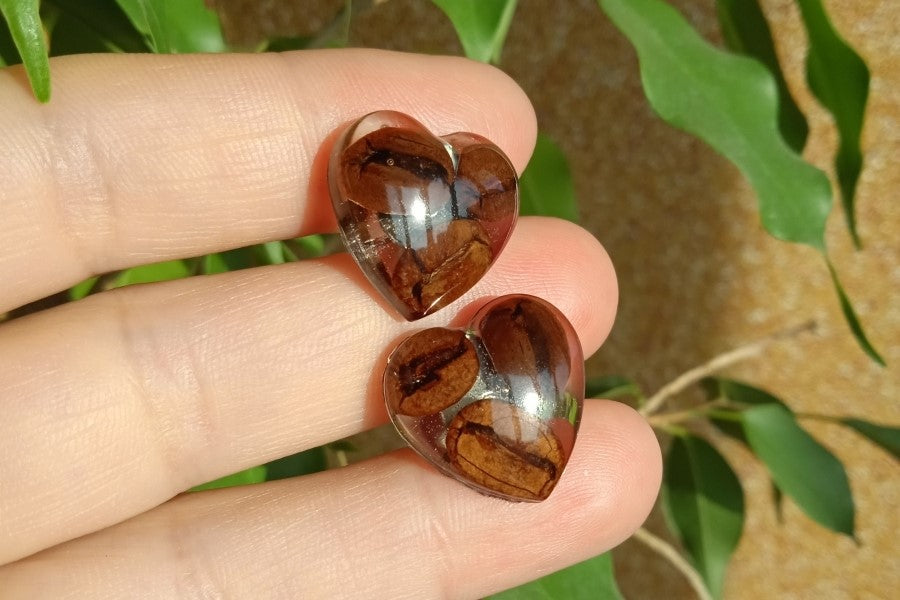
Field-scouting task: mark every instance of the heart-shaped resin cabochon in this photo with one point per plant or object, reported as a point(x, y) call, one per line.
point(424, 217)
point(496, 406)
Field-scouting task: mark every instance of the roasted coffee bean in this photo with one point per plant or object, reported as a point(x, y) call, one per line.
point(430, 371)
point(499, 446)
point(458, 259)
point(385, 169)
point(424, 217)
point(497, 405)
point(528, 346)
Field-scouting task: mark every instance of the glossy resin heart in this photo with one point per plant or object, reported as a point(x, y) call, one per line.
point(496, 406)
point(424, 217)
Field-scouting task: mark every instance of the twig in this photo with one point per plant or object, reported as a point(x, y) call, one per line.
point(683, 415)
point(717, 364)
point(665, 549)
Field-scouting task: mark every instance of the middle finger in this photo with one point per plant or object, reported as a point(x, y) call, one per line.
point(117, 403)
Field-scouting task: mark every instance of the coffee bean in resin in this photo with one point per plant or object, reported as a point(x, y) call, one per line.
point(496, 405)
point(423, 216)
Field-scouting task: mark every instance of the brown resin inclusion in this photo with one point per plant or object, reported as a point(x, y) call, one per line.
point(424, 217)
point(497, 406)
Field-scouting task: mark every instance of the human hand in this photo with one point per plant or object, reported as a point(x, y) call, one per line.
point(114, 404)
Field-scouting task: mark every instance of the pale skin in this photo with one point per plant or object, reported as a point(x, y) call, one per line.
point(114, 405)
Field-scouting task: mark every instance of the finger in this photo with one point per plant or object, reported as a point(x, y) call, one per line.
point(142, 158)
point(116, 403)
point(387, 528)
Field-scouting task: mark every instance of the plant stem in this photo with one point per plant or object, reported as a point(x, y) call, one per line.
point(670, 418)
point(665, 549)
point(717, 364)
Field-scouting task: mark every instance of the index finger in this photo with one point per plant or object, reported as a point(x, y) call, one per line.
point(142, 158)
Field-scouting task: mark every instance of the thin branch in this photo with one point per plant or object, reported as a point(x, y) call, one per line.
point(683, 415)
point(718, 363)
point(665, 549)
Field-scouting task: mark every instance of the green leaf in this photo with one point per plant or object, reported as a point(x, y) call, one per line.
point(883, 435)
point(67, 35)
point(481, 25)
point(852, 319)
point(101, 20)
point(24, 22)
point(545, 187)
point(302, 463)
point(611, 386)
point(840, 80)
point(273, 253)
point(230, 260)
point(164, 271)
point(176, 26)
point(730, 102)
point(801, 467)
point(739, 393)
point(8, 53)
point(248, 476)
point(82, 289)
point(746, 31)
point(704, 505)
point(310, 246)
point(592, 579)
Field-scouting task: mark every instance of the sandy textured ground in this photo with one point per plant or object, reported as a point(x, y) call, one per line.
point(697, 274)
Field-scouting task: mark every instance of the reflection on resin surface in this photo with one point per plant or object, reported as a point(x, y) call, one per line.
point(423, 216)
point(496, 406)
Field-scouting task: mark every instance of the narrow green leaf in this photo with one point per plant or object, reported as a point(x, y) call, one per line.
point(611, 386)
point(24, 22)
point(801, 467)
point(730, 102)
point(248, 476)
point(883, 435)
point(164, 271)
point(839, 78)
point(545, 187)
point(176, 26)
point(481, 25)
point(302, 463)
point(101, 19)
point(851, 318)
point(592, 579)
point(704, 505)
point(746, 31)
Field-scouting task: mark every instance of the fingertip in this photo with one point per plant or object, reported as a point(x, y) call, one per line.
point(616, 469)
point(488, 102)
point(446, 93)
point(563, 263)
